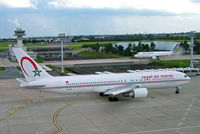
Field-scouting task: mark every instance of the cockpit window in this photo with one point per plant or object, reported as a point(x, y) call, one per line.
point(185, 76)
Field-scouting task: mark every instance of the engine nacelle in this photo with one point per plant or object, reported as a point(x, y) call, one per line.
point(155, 57)
point(137, 93)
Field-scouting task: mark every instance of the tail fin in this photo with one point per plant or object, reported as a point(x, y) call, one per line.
point(176, 47)
point(31, 70)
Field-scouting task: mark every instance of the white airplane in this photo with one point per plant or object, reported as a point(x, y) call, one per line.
point(133, 84)
point(154, 54)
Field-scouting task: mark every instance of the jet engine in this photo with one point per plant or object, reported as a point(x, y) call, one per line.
point(155, 57)
point(137, 93)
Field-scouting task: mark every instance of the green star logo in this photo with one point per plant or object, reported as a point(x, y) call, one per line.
point(37, 72)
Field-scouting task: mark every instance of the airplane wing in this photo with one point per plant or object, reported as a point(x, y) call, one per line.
point(119, 90)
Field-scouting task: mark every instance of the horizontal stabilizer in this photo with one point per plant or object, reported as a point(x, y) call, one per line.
point(21, 80)
point(27, 84)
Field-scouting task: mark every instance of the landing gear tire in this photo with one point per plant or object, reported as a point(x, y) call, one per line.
point(177, 92)
point(113, 99)
point(116, 99)
point(101, 94)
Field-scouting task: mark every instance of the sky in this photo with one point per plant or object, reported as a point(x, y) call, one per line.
point(98, 17)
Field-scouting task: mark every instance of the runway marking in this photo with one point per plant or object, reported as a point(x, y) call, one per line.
point(184, 116)
point(11, 111)
point(28, 99)
point(41, 100)
point(20, 107)
point(9, 115)
point(159, 130)
point(98, 100)
point(55, 118)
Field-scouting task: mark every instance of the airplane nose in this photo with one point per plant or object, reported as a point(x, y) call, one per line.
point(188, 78)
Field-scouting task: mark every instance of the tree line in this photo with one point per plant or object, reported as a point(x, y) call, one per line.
point(132, 49)
point(186, 46)
point(135, 37)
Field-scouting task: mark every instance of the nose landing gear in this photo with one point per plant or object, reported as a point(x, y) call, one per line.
point(177, 90)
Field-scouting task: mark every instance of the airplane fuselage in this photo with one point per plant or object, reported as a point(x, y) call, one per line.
point(153, 55)
point(104, 82)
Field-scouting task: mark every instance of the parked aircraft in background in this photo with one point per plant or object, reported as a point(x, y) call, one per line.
point(156, 54)
point(133, 84)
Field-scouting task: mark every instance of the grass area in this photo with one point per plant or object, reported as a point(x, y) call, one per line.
point(133, 57)
point(115, 42)
point(19, 68)
point(171, 40)
point(98, 54)
point(91, 43)
point(66, 71)
point(75, 47)
point(29, 45)
point(52, 67)
point(171, 63)
point(3, 49)
point(39, 60)
point(100, 42)
point(2, 68)
point(176, 40)
point(59, 68)
point(32, 48)
point(5, 44)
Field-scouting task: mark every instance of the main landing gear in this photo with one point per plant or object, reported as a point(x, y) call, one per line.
point(177, 90)
point(101, 94)
point(113, 99)
point(110, 98)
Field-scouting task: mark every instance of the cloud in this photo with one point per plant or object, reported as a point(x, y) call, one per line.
point(195, 1)
point(19, 3)
point(171, 6)
point(14, 21)
point(75, 17)
point(57, 21)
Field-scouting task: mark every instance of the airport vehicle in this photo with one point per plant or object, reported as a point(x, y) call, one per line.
point(132, 84)
point(154, 54)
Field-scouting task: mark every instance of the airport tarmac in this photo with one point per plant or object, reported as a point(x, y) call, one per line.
point(29, 111)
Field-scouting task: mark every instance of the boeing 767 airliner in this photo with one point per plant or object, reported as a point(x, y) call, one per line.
point(133, 84)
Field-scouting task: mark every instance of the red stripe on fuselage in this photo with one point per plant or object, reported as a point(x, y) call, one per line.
point(117, 84)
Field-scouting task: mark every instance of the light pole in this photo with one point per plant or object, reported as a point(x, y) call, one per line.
point(62, 36)
point(192, 35)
